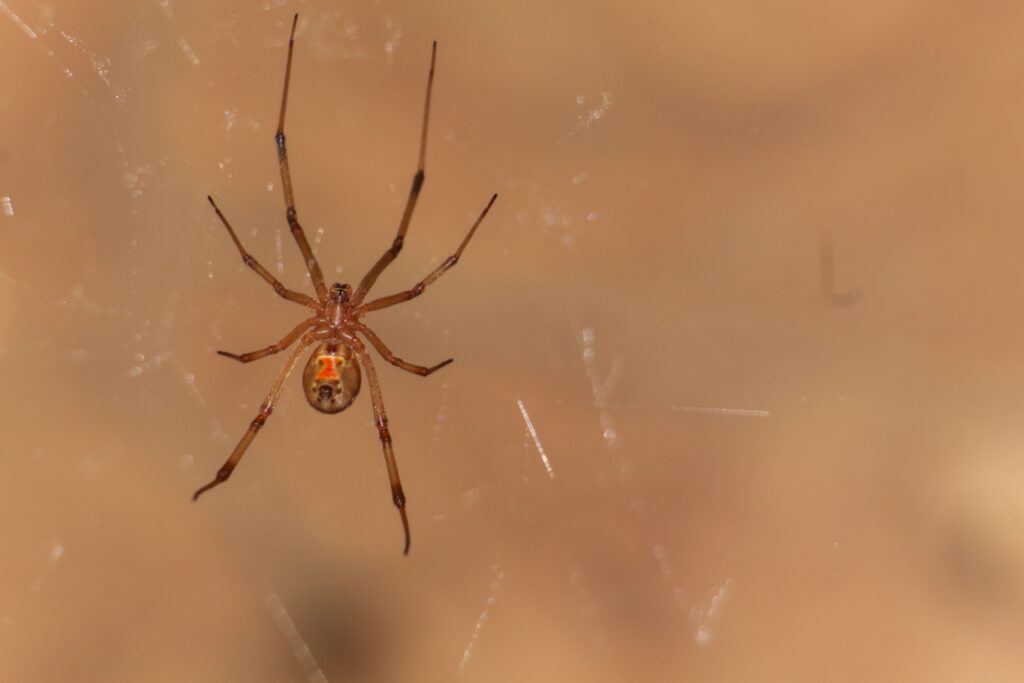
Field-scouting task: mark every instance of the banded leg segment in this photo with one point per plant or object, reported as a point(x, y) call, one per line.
point(393, 299)
point(247, 259)
point(285, 342)
point(257, 423)
point(410, 204)
point(386, 353)
point(381, 420)
point(286, 181)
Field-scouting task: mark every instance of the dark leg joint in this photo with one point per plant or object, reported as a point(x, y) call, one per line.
point(385, 435)
point(279, 138)
point(417, 181)
point(399, 497)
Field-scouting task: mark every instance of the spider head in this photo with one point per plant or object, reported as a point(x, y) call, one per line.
point(331, 379)
point(339, 293)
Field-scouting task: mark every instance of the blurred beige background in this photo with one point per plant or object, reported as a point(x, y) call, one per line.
point(745, 483)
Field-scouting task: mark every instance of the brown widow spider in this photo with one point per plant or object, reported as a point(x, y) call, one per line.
point(331, 378)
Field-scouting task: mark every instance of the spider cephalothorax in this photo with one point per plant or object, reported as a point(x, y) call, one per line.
point(340, 292)
point(331, 378)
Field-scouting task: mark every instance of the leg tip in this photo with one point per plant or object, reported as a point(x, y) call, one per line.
point(405, 527)
point(437, 367)
point(203, 489)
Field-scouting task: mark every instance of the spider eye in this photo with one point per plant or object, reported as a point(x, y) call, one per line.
point(326, 392)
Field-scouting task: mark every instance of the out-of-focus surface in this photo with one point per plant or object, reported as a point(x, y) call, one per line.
point(661, 453)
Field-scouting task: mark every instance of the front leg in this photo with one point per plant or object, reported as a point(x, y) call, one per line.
point(386, 301)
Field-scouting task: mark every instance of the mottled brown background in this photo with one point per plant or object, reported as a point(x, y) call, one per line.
point(747, 484)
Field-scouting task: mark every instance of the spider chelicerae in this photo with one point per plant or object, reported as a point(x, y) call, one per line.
point(331, 378)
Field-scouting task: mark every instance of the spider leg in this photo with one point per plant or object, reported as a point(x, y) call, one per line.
point(417, 184)
point(247, 259)
point(257, 423)
point(381, 419)
point(286, 181)
point(393, 299)
point(385, 352)
point(287, 341)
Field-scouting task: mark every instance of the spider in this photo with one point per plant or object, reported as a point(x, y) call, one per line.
point(331, 378)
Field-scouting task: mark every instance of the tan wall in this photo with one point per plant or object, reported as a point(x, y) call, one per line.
point(746, 483)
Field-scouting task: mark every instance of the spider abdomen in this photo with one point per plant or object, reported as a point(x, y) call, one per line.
point(331, 379)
